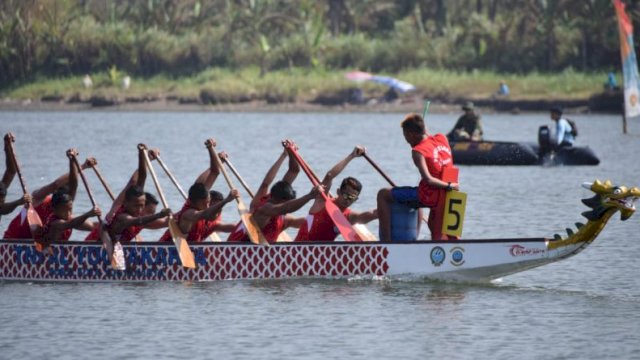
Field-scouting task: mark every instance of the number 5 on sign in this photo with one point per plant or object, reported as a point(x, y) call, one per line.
point(454, 207)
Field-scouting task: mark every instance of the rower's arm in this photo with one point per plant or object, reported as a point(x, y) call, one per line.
point(10, 170)
point(268, 179)
point(292, 172)
point(212, 211)
point(294, 222)
point(363, 217)
point(225, 227)
point(126, 221)
point(8, 207)
point(158, 223)
point(40, 194)
point(339, 167)
point(209, 176)
point(271, 210)
point(73, 173)
point(142, 166)
point(431, 180)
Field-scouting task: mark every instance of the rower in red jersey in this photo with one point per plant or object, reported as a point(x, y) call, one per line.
point(60, 223)
point(7, 178)
point(41, 200)
point(271, 208)
point(129, 219)
point(318, 226)
point(200, 215)
point(138, 179)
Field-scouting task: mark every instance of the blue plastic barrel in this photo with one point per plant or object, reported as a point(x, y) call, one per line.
point(404, 223)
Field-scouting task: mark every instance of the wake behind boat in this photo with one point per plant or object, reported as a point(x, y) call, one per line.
point(463, 260)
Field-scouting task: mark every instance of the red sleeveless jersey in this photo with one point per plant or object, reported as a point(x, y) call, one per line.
point(127, 234)
point(66, 234)
point(199, 230)
point(320, 227)
point(271, 229)
point(437, 154)
point(19, 227)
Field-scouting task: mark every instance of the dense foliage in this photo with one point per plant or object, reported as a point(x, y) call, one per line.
point(177, 37)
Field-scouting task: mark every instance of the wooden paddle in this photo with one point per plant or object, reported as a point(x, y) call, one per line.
point(114, 252)
point(283, 237)
point(339, 220)
point(363, 232)
point(384, 175)
point(214, 236)
point(33, 219)
point(104, 183)
point(179, 239)
point(251, 226)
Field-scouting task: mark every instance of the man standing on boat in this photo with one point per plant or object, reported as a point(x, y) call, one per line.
point(201, 215)
point(7, 178)
point(468, 127)
point(318, 225)
point(41, 200)
point(60, 223)
point(129, 218)
point(270, 208)
point(431, 154)
point(564, 131)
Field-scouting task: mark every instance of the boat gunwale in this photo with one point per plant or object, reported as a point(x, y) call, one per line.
point(299, 243)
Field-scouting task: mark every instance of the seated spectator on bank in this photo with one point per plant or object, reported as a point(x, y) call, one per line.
point(503, 89)
point(611, 83)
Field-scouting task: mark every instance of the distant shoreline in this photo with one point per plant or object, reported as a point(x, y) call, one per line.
point(414, 104)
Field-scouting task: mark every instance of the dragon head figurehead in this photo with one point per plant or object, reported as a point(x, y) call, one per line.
point(609, 197)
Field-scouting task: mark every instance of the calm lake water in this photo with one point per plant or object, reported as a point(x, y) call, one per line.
point(585, 307)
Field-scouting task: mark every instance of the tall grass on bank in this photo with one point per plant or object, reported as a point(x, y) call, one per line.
point(302, 84)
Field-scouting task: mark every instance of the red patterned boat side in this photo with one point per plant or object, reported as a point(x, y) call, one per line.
point(19, 260)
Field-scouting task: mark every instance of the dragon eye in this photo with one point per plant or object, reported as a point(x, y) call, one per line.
point(617, 191)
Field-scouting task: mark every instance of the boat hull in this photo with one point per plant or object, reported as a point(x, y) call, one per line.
point(464, 260)
point(518, 153)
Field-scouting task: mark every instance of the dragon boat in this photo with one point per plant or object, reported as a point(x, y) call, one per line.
point(462, 260)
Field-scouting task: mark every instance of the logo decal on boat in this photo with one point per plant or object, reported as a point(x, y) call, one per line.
point(519, 250)
point(437, 256)
point(457, 256)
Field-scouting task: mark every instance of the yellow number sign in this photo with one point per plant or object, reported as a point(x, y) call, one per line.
point(454, 208)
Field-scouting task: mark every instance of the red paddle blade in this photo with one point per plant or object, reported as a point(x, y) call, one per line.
point(35, 225)
point(341, 222)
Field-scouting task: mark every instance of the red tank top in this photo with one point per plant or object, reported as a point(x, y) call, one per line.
point(19, 227)
point(320, 227)
point(66, 234)
point(94, 235)
point(127, 234)
point(437, 154)
point(199, 230)
point(271, 229)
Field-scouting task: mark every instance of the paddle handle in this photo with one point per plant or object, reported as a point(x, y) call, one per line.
point(425, 111)
point(306, 169)
point(375, 166)
point(103, 182)
point(237, 175)
point(86, 185)
point(170, 175)
point(17, 165)
point(226, 176)
point(155, 179)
